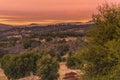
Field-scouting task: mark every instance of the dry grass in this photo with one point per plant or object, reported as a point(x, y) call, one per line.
point(2, 75)
point(70, 38)
point(31, 78)
point(64, 70)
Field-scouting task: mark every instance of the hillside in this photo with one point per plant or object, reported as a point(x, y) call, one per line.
point(4, 27)
point(58, 40)
point(22, 31)
point(13, 39)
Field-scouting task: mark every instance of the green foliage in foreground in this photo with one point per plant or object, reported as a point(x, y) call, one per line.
point(72, 61)
point(22, 65)
point(17, 66)
point(47, 68)
point(100, 59)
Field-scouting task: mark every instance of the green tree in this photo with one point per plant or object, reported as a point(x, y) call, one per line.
point(100, 59)
point(18, 66)
point(102, 56)
point(106, 24)
point(47, 68)
point(73, 61)
point(28, 43)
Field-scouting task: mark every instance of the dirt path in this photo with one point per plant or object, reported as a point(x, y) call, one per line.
point(2, 75)
point(63, 69)
point(30, 78)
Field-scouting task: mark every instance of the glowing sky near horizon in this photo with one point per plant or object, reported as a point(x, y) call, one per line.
point(47, 11)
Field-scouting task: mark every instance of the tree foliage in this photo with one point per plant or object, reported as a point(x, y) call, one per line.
point(73, 61)
point(17, 66)
point(47, 68)
point(100, 59)
point(107, 23)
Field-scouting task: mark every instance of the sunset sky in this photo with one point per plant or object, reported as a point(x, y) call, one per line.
point(19, 12)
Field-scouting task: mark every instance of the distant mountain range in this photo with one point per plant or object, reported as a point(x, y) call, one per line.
point(4, 27)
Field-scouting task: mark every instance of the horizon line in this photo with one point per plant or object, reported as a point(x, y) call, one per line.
point(45, 22)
